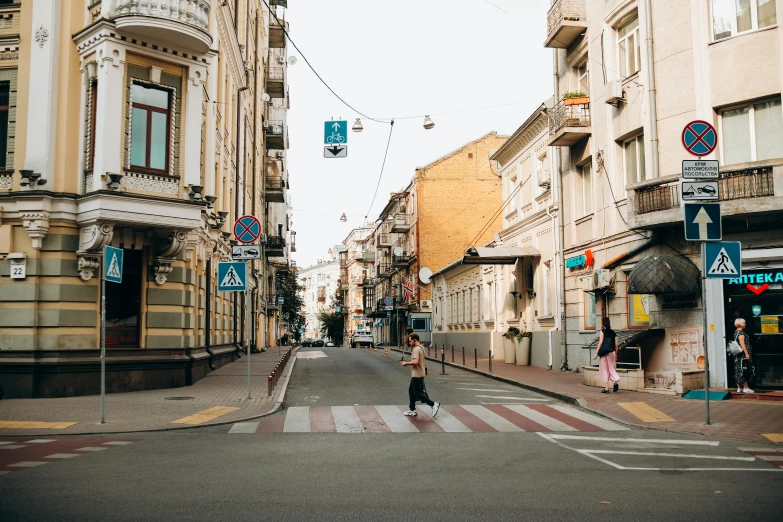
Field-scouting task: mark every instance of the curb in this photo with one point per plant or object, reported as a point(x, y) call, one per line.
point(279, 405)
point(579, 401)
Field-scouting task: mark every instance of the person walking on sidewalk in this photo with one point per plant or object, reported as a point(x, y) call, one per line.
point(416, 389)
point(743, 366)
point(607, 351)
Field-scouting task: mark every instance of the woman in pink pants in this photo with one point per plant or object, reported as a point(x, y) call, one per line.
point(607, 351)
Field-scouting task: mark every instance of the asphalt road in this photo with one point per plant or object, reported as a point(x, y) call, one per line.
point(211, 474)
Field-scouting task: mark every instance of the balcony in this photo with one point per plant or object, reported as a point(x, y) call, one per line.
point(385, 270)
point(275, 134)
point(402, 223)
point(271, 303)
point(566, 21)
point(344, 281)
point(276, 32)
point(183, 24)
point(275, 246)
point(368, 257)
point(275, 189)
point(401, 260)
point(569, 122)
point(281, 3)
point(275, 82)
point(384, 241)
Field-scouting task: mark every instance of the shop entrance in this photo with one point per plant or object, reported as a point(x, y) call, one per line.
point(760, 303)
point(123, 303)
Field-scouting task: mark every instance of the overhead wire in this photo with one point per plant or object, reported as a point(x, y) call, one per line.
point(385, 154)
point(499, 211)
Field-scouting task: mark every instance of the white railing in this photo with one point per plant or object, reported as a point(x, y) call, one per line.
point(191, 12)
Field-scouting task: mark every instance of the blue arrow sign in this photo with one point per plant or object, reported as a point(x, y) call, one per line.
point(702, 222)
point(723, 260)
point(336, 132)
point(112, 264)
point(232, 276)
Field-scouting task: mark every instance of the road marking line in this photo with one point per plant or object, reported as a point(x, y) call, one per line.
point(371, 421)
point(26, 464)
point(774, 437)
point(771, 458)
point(487, 390)
point(492, 418)
point(118, 443)
point(297, 420)
point(346, 420)
point(540, 418)
point(473, 423)
point(760, 448)
point(450, 423)
point(564, 436)
point(91, 448)
point(4, 472)
point(395, 420)
point(595, 420)
point(38, 441)
point(205, 415)
point(244, 427)
point(654, 454)
point(511, 398)
point(10, 425)
point(5, 443)
point(62, 456)
point(13, 446)
point(645, 412)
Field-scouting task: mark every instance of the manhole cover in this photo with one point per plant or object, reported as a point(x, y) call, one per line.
point(179, 398)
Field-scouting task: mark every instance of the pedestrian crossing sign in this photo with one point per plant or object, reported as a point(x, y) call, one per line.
point(232, 276)
point(112, 264)
point(723, 260)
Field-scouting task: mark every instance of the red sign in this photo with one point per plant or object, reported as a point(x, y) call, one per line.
point(699, 138)
point(589, 259)
point(247, 229)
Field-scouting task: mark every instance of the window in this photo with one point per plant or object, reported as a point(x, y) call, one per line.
point(582, 79)
point(633, 150)
point(542, 173)
point(732, 17)
point(752, 133)
point(629, 47)
point(585, 190)
point(5, 95)
point(150, 122)
point(589, 311)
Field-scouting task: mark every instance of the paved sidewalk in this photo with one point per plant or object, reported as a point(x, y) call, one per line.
point(739, 419)
point(218, 398)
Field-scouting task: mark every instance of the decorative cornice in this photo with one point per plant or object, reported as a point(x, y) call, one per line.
point(526, 134)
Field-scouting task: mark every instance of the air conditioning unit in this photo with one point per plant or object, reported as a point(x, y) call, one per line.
point(281, 60)
point(545, 182)
point(426, 303)
point(602, 278)
point(616, 95)
point(279, 154)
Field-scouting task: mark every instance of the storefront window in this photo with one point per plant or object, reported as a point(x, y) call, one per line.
point(639, 310)
point(589, 311)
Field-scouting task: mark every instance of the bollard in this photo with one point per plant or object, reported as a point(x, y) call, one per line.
point(452, 353)
point(428, 350)
point(475, 357)
point(463, 356)
point(442, 362)
point(490, 361)
point(269, 386)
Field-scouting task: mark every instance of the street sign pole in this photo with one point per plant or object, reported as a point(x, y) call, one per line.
point(704, 333)
point(247, 339)
point(103, 340)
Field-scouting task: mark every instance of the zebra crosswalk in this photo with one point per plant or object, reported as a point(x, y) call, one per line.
point(489, 418)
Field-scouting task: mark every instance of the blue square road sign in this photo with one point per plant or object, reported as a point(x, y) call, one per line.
point(232, 276)
point(112, 264)
point(723, 260)
point(702, 222)
point(336, 132)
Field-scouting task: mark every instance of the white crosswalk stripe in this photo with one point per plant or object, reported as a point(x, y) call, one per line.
point(493, 419)
point(346, 420)
point(244, 427)
point(297, 420)
point(595, 420)
point(449, 422)
point(393, 418)
point(544, 420)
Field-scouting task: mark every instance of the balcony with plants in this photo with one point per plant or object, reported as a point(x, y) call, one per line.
point(569, 120)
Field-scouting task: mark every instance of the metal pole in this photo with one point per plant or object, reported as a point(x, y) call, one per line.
point(452, 353)
point(103, 341)
point(704, 334)
point(463, 356)
point(247, 303)
point(475, 357)
point(442, 361)
point(490, 361)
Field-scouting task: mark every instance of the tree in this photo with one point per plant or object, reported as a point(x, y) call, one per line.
point(333, 321)
point(293, 304)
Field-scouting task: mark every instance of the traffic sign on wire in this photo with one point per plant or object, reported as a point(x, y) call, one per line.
point(336, 151)
point(247, 229)
point(336, 132)
point(723, 260)
point(699, 138)
point(702, 222)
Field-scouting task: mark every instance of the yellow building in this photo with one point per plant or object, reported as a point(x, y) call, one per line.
point(147, 126)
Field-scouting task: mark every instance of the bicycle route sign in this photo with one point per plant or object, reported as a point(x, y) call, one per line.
point(336, 132)
point(699, 138)
point(247, 229)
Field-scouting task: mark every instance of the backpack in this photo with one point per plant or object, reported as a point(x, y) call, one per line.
point(734, 347)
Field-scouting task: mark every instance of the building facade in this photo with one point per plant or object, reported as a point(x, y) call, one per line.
point(630, 75)
point(150, 127)
point(355, 260)
point(320, 282)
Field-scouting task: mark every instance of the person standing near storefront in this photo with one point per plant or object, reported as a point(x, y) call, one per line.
point(607, 351)
point(743, 366)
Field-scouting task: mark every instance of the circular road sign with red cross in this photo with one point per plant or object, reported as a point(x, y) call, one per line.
point(247, 229)
point(699, 138)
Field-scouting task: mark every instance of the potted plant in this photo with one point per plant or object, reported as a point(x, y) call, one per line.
point(575, 98)
point(509, 355)
point(523, 348)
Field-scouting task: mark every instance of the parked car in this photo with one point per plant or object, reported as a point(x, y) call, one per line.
point(306, 343)
point(329, 344)
point(362, 338)
point(318, 343)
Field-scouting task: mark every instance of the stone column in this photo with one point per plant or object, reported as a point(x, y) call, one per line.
point(109, 128)
point(193, 108)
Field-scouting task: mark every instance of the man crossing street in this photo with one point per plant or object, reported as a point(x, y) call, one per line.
point(416, 391)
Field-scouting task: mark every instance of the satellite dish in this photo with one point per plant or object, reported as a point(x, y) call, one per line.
point(265, 97)
point(292, 60)
point(424, 275)
point(398, 251)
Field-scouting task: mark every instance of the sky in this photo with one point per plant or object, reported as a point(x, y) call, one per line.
point(395, 60)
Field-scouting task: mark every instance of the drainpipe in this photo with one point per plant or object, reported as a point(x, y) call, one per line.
point(558, 253)
point(208, 312)
point(560, 235)
point(651, 93)
point(238, 157)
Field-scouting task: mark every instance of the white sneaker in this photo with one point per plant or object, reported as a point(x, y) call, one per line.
point(435, 408)
point(411, 413)
point(739, 390)
point(747, 390)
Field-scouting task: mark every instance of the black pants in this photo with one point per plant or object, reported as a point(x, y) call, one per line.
point(416, 392)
